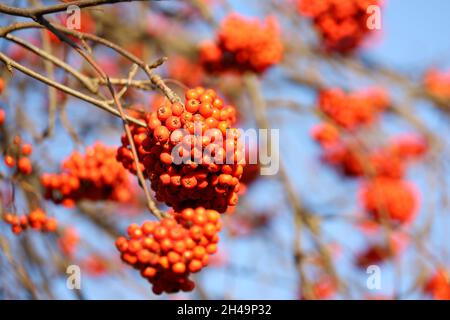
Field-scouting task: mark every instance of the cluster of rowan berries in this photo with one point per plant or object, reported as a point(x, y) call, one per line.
point(323, 288)
point(343, 25)
point(390, 161)
point(438, 286)
point(2, 116)
point(94, 176)
point(95, 265)
point(2, 86)
point(185, 71)
point(68, 241)
point(36, 219)
point(190, 153)
point(384, 195)
point(193, 158)
point(353, 109)
point(18, 156)
point(377, 253)
point(166, 252)
point(438, 83)
point(252, 169)
point(243, 44)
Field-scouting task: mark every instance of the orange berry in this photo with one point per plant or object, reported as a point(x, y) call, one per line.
point(195, 266)
point(2, 116)
point(179, 267)
point(24, 166)
point(9, 161)
point(161, 134)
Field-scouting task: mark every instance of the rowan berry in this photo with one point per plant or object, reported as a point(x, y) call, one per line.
point(350, 110)
point(2, 87)
point(341, 24)
point(179, 268)
point(195, 265)
point(243, 44)
point(172, 123)
point(161, 134)
point(438, 83)
point(192, 106)
point(163, 113)
point(10, 161)
point(24, 166)
point(27, 149)
point(2, 116)
point(438, 285)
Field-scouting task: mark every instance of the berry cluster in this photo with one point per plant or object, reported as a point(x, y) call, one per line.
point(68, 241)
point(185, 71)
point(18, 156)
point(323, 288)
point(252, 167)
point(243, 44)
point(94, 176)
point(2, 116)
point(438, 286)
point(190, 153)
point(342, 24)
point(392, 199)
point(95, 265)
point(377, 253)
point(36, 219)
point(166, 252)
point(390, 161)
point(325, 134)
point(438, 83)
point(2, 86)
point(385, 195)
point(350, 110)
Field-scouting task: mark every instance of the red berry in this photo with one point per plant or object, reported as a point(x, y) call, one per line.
point(161, 134)
point(9, 161)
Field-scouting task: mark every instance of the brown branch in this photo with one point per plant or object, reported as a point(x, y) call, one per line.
point(35, 13)
point(150, 203)
point(155, 79)
point(302, 215)
point(101, 104)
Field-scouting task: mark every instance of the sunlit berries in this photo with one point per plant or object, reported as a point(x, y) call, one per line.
point(191, 153)
point(68, 241)
point(354, 109)
point(166, 252)
point(385, 196)
point(438, 83)
point(243, 44)
point(438, 285)
point(36, 219)
point(325, 134)
point(343, 25)
point(2, 87)
point(392, 200)
point(95, 175)
point(2, 116)
point(185, 71)
point(18, 156)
